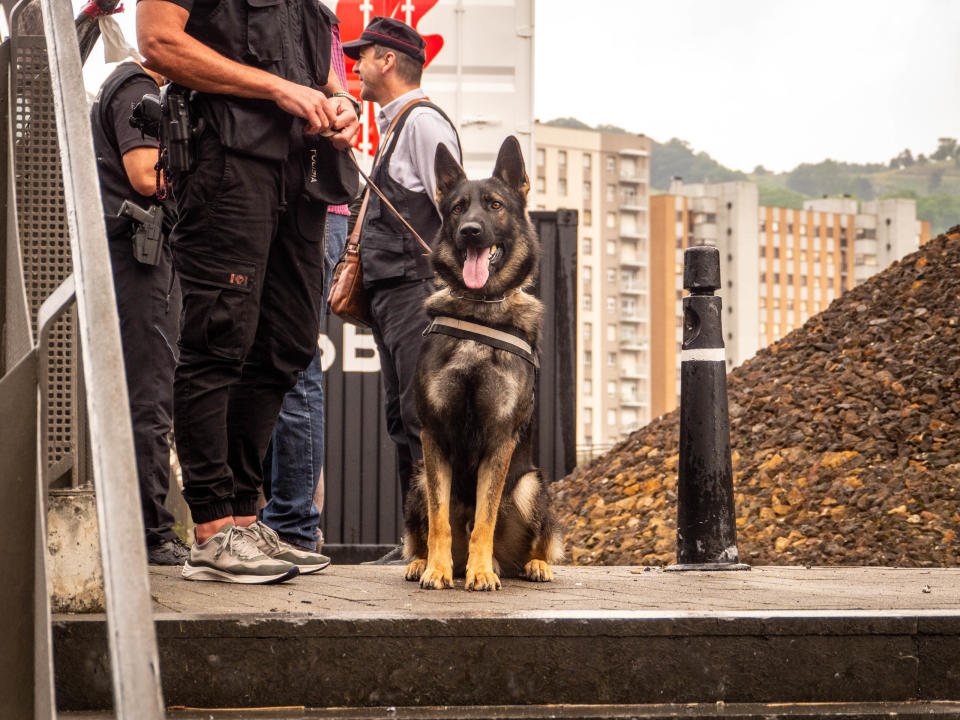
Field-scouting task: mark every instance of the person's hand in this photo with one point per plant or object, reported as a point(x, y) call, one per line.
point(346, 125)
point(309, 104)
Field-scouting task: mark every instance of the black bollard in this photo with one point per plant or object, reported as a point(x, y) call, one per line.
point(706, 519)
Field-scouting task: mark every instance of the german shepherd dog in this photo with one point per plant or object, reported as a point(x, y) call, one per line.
point(480, 508)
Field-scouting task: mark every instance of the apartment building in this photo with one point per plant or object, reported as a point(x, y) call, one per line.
point(605, 176)
point(778, 266)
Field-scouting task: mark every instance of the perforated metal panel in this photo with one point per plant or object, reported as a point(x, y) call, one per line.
point(45, 244)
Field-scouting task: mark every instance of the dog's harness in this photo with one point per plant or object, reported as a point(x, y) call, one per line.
point(500, 337)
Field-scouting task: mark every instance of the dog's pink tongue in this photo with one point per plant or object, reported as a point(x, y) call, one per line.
point(476, 268)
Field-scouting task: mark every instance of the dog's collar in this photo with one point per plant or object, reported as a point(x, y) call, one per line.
point(484, 300)
point(508, 340)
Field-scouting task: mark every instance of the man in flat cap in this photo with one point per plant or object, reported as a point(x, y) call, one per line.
point(396, 269)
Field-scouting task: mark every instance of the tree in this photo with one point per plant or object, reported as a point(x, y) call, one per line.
point(922, 159)
point(905, 159)
point(946, 149)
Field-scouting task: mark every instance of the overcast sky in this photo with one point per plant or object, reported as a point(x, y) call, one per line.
point(754, 82)
point(771, 82)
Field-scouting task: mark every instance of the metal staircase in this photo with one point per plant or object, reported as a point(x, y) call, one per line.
point(61, 371)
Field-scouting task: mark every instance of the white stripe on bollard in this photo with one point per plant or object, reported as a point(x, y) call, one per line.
point(703, 354)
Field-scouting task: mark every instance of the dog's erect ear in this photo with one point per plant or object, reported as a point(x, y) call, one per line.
point(509, 167)
point(448, 170)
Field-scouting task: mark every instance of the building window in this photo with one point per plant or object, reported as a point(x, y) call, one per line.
point(541, 184)
point(588, 387)
point(562, 158)
point(611, 359)
point(587, 188)
point(611, 247)
point(611, 333)
point(587, 273)
point(587, 161)
point(611, 219)
point(611, 417)
point(611, 163)
point(611, 387)
point(587, 358)
point(587, 218)
point(588, 303)
point(562, 186)
point(611, 193)
point(587, 246)
point(541, 157)
point(611, 303)
point(611, 275)
point(588, 416)
point(587, 331)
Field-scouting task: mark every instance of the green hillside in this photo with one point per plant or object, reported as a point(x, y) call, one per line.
point(933, 181)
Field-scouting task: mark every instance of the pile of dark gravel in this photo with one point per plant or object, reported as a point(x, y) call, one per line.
point(845, 440)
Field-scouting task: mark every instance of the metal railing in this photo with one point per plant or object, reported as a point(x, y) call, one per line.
point(100, 389)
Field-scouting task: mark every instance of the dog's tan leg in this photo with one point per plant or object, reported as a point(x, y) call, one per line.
point(438, 573)
point(490, 479)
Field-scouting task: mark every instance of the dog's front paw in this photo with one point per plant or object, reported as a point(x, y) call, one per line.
point(436, 578)
point(415, 569)
point(538, 571)
point(482, 580)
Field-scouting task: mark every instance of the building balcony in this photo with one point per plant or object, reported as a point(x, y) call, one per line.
point(633, 289)
point(634, 234)
point(634, 178)
point(634, 152)
point(631, 260)
point(632, 317)
point(633, 345)
point(632, 402)
point(628, 373)
point(634, 206)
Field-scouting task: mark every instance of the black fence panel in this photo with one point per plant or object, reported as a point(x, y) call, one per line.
point(362, 495)
point(554, 429)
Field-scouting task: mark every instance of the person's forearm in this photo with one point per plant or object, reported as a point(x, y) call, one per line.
point(169, 50)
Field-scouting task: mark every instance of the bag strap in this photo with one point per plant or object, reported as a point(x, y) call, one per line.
point(372, 186)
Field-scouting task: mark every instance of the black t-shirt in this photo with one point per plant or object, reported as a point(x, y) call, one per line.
point(112, 138)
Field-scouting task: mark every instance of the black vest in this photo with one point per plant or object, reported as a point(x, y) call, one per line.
point(388, 251)
point(115, 186)
point(288, 38)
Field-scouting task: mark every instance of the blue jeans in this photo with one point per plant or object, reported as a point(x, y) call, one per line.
point(292, 468)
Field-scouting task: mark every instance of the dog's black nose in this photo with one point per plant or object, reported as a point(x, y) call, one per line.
point(470, 230)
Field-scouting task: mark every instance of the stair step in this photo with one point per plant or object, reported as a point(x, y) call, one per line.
point(361, 637)
point(735, 711)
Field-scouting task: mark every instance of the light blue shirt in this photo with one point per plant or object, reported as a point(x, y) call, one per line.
point(412, 163)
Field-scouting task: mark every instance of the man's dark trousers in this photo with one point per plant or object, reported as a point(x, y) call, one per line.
point(148, 326)
point(249, 255)
point(399, 322)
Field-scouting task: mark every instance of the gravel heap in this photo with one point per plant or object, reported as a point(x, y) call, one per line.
point(845, 440)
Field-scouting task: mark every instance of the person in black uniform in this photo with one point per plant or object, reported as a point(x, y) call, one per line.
point(397, 274)
point(148, 300)
point(248, 249)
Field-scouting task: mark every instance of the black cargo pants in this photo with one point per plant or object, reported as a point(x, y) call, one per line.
point(249, 255)
point(148, 305)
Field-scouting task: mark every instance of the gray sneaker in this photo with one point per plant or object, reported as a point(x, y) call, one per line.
point(229, 556)
point(270, 544)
